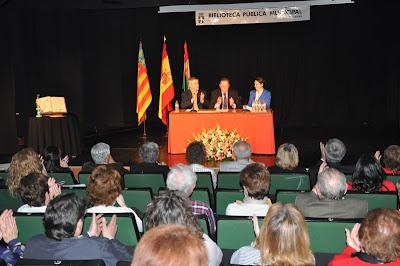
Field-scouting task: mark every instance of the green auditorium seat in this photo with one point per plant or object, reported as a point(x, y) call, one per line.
point(289, 182)
point(377, 200)
point(29, 225)
point(64, 178)
point(204, 180)
point(203, 195)
point(137, 198)
point(9, 202)
point(127, 233)
point(226, 196)
point(228, 180)
point(328, 235)
point(393, 178)
point(83, 177)
point(287, 196)
point(152, 180)
point(80, 191)
point(4, 176)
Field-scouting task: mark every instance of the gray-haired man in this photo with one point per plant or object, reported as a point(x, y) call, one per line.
point(241, 154)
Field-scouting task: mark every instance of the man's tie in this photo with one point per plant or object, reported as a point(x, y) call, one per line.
point(224, 102)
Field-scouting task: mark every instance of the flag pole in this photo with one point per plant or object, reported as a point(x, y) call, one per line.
point(144, 135)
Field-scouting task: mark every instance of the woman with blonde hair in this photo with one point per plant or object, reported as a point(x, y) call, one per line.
point(282, 240)
point(23, 163)
point(286, 160)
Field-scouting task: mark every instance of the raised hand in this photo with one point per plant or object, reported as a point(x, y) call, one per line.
point(256, 226)
point(352, 237)
point(219, 100)
point(110, 229)
point(231, 102)
point(96, 225)
point(64, 162)
point(202, 97)
point(8, 226)
point(378, 156)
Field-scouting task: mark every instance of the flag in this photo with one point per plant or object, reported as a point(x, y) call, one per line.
point(143, 88)
point(166, 87)
point(186, 68)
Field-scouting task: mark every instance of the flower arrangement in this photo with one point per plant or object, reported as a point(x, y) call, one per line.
point(218, 142)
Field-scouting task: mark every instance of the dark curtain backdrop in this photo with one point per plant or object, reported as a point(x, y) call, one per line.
point(341, 68)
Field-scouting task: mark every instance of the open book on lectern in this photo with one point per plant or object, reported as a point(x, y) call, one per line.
point(52, 105)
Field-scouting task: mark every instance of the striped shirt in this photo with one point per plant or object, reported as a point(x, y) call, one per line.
point(247, 255)
point(199, 208)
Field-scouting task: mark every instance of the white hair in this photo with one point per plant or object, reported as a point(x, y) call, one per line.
point(182, 178)
point(100, 153)
point(332, 184)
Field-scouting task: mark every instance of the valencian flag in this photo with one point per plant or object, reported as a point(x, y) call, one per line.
point(143, 88)
point(166, 87)
point(186, 68)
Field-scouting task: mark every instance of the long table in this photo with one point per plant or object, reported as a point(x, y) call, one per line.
point(258, 128)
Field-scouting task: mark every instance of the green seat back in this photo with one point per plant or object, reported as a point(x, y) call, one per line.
point(224, 197)
point(377, 200)
point(80, 191)
point(66, 178)
point(287, 196)
point(228, 180)
point(201, 194)
point(204, 180)
point(29, 225)
point(4, 176)
point(393, 178)
point(127, 233)
point(9, 202)
point(152, 180)
point(137, 198)
point(328, 236)
point(289, 182)
point(84, 178)
point(202, 221)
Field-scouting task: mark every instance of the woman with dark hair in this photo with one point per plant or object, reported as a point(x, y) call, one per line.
point(259, 94)
point(369, 177)
point(196, 156)
point(53, 162)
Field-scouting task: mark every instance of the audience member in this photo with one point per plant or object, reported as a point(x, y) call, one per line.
point(327, 198)
point(282, 240)
point(255, 180)
point(241, 156)
point(104, 190)
point(9, 234)
point(173, 207)
point(53, 162)
point(24, 162)
point(182, 178)
point(149, 153)
point(196, 156)
point(332, 153)
point(375, 242)
point(63, 223)
point(369, 177)
point(391, 160)
point(36, 191)
point(101, 155)
point(286, 160)
point(170, 245)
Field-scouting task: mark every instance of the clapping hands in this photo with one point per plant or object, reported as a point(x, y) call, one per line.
point(54, 190)
point(99, 226)
point(8, 226)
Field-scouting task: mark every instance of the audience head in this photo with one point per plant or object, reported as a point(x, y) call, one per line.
point(224, 84)
point(287, 157)
point(255, 179)
point(242, 150)
point(104, 186)
point(24, 162)
point(379, 234)
point(259, 83)
point(368, 174)
point(33, 189)
point(193, 84)
point(335, 150)
point(170, 245)
point(171, 207)
point(331, 184)
point(51, 158)
point(100, 153)
point(391, 157)
point(149, 152)
point(283, 238)
point(64, 217)
point(182, 178)
point(196, 153)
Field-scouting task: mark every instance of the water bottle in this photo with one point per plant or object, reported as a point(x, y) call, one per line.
point(176, 106)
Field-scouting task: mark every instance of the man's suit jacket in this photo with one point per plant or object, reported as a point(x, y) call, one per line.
point(143, 168)
point(186, 98)
point(313, 171)
point(231, 93)
point(311, 206)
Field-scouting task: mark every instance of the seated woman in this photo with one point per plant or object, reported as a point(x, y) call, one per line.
point(53, 162)
point(286, 160)
point(170, 245)
point(375, 242)
point(174, 207)
point(9, 234)
point(259, 94)
point(196, 157)
point(391, 160)
point(24, 162)
point(104, 190)
point(282, 240)
point(255, 180)
point(36, 192)
point(369, 177)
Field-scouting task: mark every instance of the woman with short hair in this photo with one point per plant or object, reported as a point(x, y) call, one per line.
point(391, 160)
point(53, 162)
point(286, 160)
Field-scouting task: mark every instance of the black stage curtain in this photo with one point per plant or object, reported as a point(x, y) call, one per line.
point(341, 68)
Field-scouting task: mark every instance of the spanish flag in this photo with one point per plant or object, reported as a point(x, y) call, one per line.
point(186, 68)
point(143, 88)
point(166, 87)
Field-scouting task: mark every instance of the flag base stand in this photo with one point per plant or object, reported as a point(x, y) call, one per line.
point(144, 135)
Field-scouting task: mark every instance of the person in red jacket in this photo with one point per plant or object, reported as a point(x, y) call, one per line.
point(375, 241)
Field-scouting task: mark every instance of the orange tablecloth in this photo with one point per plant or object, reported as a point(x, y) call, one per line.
point(258, 128)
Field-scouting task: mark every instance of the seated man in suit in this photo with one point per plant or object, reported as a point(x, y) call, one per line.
point(224, 97)
point(149, 153)
point(192, 98)
point(241, 156)
point(327, 198)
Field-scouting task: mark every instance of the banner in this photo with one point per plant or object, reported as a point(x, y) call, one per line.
point(251, 16)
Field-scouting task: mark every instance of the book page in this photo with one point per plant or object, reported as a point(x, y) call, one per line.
point(44, 104)
point(58, 104)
